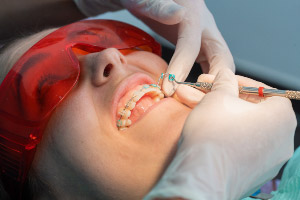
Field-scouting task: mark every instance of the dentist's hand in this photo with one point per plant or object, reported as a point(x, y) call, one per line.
point(194, 32)
point(191, 96)
point(164, 11)
point(186, 23)
point(229, 147)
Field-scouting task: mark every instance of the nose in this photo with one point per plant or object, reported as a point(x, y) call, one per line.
point(102, 65)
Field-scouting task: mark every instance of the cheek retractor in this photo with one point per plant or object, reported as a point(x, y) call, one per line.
point(151, 90)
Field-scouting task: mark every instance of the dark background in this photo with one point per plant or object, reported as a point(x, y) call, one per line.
point(196, 71)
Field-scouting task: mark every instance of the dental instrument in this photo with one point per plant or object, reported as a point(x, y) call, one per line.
point(260, 91)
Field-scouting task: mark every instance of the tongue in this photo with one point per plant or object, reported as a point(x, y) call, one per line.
point(141, 107)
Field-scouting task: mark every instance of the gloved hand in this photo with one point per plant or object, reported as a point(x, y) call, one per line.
point(229, 147)
point(193, 26)
point(192, 29)
point(191, 96)
point(164, 11)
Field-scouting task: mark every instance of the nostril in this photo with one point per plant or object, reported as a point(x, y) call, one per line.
point(107, 70)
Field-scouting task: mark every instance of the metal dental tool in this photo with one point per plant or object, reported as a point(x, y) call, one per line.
point(261, 91)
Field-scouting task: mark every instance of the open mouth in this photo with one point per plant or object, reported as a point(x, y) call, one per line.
point(136, 102)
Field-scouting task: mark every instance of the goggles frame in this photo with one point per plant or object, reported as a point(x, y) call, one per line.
point(28, 97)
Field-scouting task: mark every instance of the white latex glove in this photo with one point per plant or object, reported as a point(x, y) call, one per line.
point(164, 11)
point(191, 97)
point(229, 147)
point(193, 27)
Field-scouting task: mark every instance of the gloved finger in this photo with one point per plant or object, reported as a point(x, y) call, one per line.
point(209, 78)
point(166, 11)
point(225, 82)
point(188, 95)
point(248, 82)
point(279, 111)
point(214, 50)
point(242, 81)
point(186, 52)
point(204, 65)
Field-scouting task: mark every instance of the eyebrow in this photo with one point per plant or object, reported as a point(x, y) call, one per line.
point(84, 32)
point(91, 31)
point(49, 79)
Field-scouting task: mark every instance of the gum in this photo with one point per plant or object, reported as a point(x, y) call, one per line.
point(141, 107)
point(124, 100)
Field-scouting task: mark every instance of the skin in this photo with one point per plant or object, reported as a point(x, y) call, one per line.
point(84, 155)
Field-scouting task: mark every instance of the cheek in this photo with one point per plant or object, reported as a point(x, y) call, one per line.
point(94, 155)
point(75, 142)
point(72, 125)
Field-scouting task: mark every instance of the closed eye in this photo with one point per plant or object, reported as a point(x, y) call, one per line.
point(44, 85)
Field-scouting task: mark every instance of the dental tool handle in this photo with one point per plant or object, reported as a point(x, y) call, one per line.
point(206, 87)
point(293, 94)
point(270, 92)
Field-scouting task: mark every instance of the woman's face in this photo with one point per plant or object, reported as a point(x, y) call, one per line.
point(84, 154)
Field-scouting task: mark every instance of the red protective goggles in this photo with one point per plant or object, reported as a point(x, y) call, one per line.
point(42, 78)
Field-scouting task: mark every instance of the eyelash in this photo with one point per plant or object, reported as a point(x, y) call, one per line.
point(46, 79)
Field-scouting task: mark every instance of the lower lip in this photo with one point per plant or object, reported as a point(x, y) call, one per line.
point(149, 110)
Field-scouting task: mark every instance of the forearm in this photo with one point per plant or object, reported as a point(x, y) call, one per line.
point(19, 17)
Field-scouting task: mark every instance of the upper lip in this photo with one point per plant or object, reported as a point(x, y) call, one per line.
point(126, 85)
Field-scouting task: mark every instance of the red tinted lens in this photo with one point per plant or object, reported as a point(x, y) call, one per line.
point(43, 76)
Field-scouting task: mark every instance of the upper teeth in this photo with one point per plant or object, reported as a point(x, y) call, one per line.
point(125, 112)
